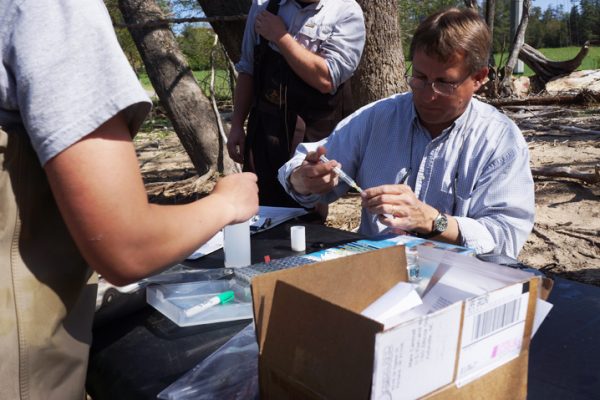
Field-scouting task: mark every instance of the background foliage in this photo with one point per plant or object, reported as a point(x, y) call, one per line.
point(554, 27)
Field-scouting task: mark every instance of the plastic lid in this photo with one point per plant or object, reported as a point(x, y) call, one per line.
point(226, 297)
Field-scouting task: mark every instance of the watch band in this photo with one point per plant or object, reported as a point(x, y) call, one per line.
point(440, 224)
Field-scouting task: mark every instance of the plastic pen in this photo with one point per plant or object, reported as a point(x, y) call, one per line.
point(343, 176)
point(221, 298)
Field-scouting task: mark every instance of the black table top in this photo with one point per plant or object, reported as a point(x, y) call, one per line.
point(138, 353)
point(564, 361)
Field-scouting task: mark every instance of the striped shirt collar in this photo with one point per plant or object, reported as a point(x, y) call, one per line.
point(454, 127)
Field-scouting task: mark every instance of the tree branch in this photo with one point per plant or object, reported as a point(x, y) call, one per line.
point(516, 46)
point(163, 22)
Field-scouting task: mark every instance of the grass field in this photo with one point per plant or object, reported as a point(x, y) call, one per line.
point(223, 92)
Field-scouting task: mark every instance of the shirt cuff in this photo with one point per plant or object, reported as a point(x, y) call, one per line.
point(475, 236)
point(244, 67)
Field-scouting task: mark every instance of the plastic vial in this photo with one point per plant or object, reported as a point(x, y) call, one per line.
point(412, 264)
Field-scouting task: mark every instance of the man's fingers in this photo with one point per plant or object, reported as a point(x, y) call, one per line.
point(386, 189)
point(321, 151)
point(317, 171)
point(312, 157)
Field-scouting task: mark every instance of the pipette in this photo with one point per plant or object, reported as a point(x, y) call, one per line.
point(220, 298)
point(343, 176)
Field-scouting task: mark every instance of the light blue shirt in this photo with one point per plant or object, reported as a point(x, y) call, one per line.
point(334, 29)
point(493, 197)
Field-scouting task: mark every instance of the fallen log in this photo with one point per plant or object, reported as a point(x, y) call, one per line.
point(546, 69)
point(585, 97)
point(576, 129)
point(568, 172)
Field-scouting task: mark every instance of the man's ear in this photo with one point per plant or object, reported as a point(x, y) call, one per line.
point(480, 76)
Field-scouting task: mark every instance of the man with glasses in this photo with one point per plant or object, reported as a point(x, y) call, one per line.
point(434, 162)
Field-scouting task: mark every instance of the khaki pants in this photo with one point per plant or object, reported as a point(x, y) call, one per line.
point(47, 293)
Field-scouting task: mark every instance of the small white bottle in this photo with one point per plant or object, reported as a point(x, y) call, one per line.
point(298, 238)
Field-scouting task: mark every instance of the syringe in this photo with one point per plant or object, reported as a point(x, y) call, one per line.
point(343, 176)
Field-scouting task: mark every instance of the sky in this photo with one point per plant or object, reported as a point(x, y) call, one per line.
point(543, 4)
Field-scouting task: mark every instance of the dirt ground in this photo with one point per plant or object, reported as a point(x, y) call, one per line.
point(566, 238)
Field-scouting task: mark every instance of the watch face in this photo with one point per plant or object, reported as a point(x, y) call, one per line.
point(441, 223)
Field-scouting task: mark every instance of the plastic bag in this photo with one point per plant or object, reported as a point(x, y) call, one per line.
point(231, 372)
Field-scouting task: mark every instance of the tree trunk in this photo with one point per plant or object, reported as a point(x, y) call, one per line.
point(230, 33)
point(515, 49)
point(490, 13)
point(381, 70)
point(186, 106)
point(472, 4)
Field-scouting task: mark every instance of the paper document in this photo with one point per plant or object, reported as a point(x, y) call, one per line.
point(468, 273)
point(213, 244)
point(492, 333)
point(392, 304)
point(267, 218)
point(417, 357)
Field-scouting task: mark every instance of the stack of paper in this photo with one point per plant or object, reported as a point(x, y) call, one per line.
point(495, 301)
point(390, 307)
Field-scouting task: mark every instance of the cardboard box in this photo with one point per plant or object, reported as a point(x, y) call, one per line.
point(315, 344)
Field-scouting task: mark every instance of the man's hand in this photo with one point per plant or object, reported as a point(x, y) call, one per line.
point(239, 194)
point(270, 26)
point(314, 176)
point(235, 143)
point(399, 208)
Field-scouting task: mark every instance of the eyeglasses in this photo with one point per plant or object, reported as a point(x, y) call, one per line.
point(441, 88)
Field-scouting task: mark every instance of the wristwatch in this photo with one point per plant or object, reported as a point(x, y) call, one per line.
point(440, 224)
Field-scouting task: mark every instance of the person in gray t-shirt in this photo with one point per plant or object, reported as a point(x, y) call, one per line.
point(71, 193)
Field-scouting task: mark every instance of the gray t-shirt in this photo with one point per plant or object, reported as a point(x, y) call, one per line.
point(63, 72)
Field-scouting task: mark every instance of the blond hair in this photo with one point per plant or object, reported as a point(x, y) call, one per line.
point(452, 31)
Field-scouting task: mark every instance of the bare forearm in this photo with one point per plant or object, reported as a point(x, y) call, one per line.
point(155, 237)
point(242, 98)
point(98, 188)
point(310, 67)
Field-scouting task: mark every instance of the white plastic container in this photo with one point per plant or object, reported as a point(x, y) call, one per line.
point(236, 245)
point(175, 298)
point(298, 238)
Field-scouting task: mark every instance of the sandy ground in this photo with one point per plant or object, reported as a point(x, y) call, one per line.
point(566, 237)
